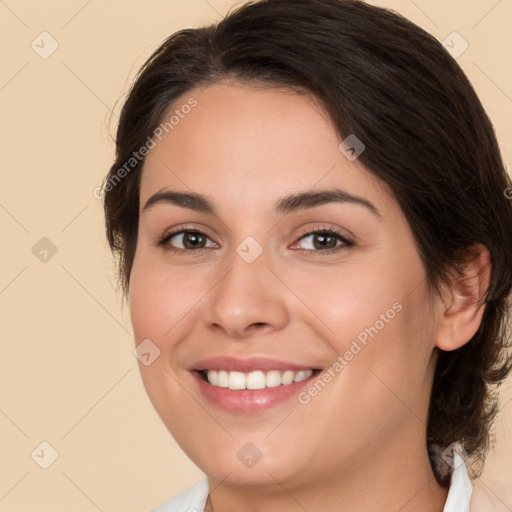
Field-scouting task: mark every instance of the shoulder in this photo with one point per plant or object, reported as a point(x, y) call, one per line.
point(192, 499)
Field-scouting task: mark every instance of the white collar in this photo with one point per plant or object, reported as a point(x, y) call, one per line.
point(461, 488)
point(459, 495)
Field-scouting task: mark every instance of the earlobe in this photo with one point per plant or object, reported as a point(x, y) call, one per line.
point(462, 310)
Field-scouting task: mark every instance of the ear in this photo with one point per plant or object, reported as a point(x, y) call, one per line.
point(462, 305)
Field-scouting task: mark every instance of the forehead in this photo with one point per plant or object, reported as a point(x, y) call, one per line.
point(247, 144)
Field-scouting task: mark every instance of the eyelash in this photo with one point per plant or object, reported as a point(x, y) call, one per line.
point(347, 243)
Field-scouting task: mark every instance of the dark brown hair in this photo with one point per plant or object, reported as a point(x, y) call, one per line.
point(395, 87)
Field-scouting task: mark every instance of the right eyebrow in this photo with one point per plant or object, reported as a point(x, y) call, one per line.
point(193, 201)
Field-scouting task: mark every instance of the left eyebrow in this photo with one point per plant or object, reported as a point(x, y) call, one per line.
point(306, 200)
point(287, 204)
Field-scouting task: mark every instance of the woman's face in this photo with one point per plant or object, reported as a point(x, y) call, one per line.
point(258, 292)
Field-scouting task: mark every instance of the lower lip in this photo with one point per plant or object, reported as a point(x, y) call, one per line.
point(249, 400)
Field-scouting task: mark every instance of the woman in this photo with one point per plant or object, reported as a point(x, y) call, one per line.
point(308, 208)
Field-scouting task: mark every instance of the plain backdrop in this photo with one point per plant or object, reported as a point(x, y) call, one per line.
point(68, 376)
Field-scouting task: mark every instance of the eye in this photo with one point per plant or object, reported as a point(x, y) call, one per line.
point(325, 240)
point(185, 241)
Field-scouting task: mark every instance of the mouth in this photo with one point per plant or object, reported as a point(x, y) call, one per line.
point(248, 385)
point(258, 379)
point(254, 392)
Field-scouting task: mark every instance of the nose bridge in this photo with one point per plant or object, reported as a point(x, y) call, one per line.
point(247, 293)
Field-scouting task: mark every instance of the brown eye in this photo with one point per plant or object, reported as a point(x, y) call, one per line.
point(324, 240)
point(192, 240)
point(185, 240)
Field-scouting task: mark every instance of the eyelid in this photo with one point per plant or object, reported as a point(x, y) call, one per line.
point(322, 228)
point(187, 228)
point(346, 241)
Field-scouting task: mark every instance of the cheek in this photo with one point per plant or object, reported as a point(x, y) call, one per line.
point(161, 301)
point(350, 300)
point(379, 300)
point(381, 380)
point(160, 298)
point(376, 320)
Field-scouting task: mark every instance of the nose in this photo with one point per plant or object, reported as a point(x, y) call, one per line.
point(247, 299)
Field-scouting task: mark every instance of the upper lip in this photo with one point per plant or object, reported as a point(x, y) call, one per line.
point(246, 365)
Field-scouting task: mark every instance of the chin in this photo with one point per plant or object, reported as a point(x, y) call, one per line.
point(240, 470)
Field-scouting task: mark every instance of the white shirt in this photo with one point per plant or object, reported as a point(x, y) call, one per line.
point(194, 498)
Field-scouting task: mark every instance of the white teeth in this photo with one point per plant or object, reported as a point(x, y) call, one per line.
point(236, 380)
point(302, 375)
point(256, 379)
point(213, 377)
point(273, 379)
point(222, 379)
point(287, 377)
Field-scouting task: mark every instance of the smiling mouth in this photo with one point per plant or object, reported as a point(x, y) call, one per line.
point(256, 379)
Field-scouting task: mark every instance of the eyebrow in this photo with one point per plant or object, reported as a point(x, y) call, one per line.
point(287, 204)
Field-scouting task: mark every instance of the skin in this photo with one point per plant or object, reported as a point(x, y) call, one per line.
point(360, 443)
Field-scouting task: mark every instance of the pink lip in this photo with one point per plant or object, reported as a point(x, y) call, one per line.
point(247, 401)
point(237, 364)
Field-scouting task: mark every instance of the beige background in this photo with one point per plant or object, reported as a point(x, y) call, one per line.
point(68, 376)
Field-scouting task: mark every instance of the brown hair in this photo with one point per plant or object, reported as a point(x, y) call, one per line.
point(426, 134)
